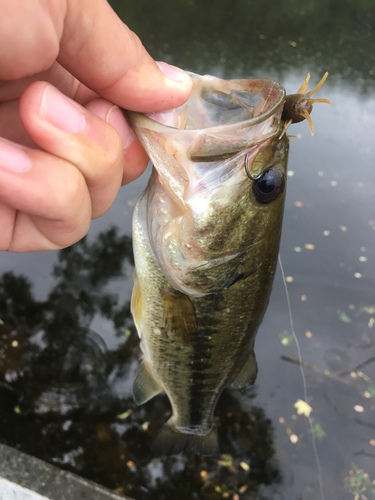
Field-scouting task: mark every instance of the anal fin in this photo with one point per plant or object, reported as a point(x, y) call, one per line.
point(145, 386)
point(248, 373)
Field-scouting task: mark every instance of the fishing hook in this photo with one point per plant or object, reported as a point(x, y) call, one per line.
point(247, 170)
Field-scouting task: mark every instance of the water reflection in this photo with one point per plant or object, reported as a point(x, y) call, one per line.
point(253, 38)
point(66, 396)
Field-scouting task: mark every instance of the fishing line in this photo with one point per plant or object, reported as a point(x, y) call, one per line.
point(317, 461)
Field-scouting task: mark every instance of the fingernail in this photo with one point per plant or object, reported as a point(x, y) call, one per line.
point(121, 124)
point(61, 112)
point(176, 74)
point(12, 157)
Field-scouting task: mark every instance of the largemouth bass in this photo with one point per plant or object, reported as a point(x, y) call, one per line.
point(206, 235)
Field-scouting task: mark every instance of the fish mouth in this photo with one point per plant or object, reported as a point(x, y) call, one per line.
point(221, 117)
point(207, 136)
point(227, 104)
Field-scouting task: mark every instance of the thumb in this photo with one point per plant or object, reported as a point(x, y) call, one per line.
point(105, 55)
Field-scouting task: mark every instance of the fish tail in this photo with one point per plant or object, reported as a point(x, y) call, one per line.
point(170, 441)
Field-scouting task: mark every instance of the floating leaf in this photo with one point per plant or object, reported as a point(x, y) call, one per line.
point(318, 432)
point(303, 408)
point(125, 415)
point(368, 309)
point(245, 466)
point(343, 316)
point(286, 338)
point(358, 482)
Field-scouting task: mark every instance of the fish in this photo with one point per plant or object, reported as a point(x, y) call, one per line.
point(206, 235)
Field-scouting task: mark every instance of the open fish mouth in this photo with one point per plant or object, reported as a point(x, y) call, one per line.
point(190, 146)
point(224, 112)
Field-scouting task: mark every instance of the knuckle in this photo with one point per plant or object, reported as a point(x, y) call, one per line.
point(110, 157)
point(70, 195)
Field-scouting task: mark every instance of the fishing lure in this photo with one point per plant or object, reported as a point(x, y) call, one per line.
point(298, 106)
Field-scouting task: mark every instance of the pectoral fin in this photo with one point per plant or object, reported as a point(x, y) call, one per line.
point(145, 386)
point(179, 317)
point(248, 373)
point(136, 306)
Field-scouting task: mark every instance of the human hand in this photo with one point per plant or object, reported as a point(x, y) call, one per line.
point(65, 149)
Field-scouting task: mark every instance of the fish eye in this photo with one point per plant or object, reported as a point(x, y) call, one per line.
point(268, 186)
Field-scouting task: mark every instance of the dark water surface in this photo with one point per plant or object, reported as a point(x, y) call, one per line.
point(68, 348)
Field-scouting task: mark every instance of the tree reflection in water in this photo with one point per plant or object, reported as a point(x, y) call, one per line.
point(66, 397)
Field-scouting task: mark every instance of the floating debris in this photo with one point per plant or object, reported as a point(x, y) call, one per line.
point(145, 426)
point(124, 416)
point(309, 246)
point(343, 229)
point(286, 338)
point(359, 408)
point(359, 482)
point(318, 432)
point(343, 316)
point(326, 233)
point(357, 275)
point(204, 474)
point(368, 309)
point(308, 334)
point(303, 298)
point(293, 438)
point(362, 258)
point(303, 408)
point(245, 466)
point(289, 279)
point(297, 249)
